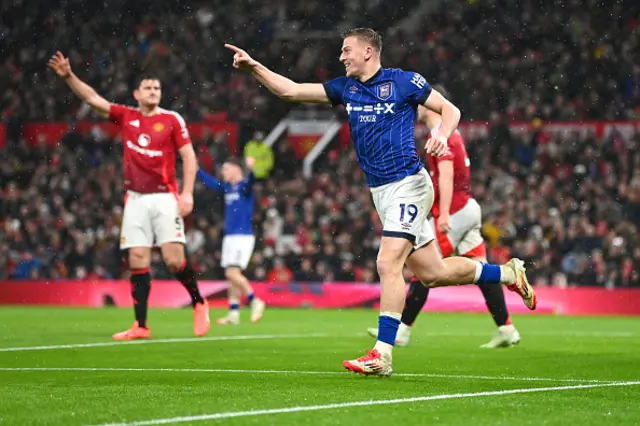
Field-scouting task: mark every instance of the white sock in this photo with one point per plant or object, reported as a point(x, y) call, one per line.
point(396, 315)
point(404, 330)
point(507, 276)
point(383, 348)
point(478, 272)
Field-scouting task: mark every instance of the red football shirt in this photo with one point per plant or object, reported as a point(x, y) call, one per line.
point(150, 145)
point(457, 153)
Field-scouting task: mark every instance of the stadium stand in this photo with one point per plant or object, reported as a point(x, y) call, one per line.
point(570, 203)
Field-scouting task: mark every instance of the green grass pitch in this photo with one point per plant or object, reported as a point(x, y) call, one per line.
point(287, 370)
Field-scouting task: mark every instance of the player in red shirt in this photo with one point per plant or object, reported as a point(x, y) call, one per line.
point(152, 138)
point(457, 219)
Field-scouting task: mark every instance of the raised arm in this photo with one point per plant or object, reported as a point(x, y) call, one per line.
point(251, 178)
point(279, 85)
point(60, 65)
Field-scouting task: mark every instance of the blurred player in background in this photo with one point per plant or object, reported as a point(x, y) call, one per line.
point(456, 219)
point(382, 106)
point(239, 241)
point(153, 208)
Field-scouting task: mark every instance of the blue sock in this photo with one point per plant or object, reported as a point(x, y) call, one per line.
point(234, 306)
point(250, 297)
point(387, 329)
point(490, 274)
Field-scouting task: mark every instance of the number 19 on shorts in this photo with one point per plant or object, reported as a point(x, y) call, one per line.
point(409, 211)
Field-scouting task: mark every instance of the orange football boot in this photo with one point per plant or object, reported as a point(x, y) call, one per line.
point(201, 321)
point(135, 332)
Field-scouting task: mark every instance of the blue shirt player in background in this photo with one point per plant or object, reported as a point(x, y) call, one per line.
point(239, 241)
point(382, 106)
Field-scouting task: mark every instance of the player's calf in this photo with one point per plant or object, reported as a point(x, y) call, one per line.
point(173, 255)
point(393, 252)
point(139, 258)
point(434, 271)
point(174, 258)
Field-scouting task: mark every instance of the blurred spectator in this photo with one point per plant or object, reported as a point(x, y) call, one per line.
point(263, 155)
point(280, 273)
point(306, 272)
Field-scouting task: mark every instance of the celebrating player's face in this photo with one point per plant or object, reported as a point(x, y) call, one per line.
point(353, 56)
point(231, 172)
point(149, 93)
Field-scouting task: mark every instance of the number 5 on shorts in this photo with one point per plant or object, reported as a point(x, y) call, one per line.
point(409, 209)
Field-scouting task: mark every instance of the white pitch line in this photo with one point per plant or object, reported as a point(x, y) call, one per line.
point(302, 372)
point(152, 341)
point(576, 334)
point(298, 409)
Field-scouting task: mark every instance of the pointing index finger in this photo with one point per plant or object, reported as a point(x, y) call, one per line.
point(232, 47)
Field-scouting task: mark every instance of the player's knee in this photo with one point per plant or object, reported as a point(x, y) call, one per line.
point(388, 266)
point(427, 272)
point(173, 256)
point(174, 261)
point(231, 273)
point(427, 277)
point(138, 259)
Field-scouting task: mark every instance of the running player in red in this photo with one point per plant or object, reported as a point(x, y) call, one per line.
point(152, 137)
point(456, 219)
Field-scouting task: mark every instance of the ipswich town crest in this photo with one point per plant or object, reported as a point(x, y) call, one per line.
point(384, 91)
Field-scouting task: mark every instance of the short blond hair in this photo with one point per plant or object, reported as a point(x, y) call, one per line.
point(367, 35)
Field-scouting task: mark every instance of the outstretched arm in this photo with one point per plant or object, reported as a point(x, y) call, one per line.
point(279, 85)
point(209, 181)
point(60, 65)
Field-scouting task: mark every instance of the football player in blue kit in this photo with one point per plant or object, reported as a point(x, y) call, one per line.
point(239, 241)
point(382, 105)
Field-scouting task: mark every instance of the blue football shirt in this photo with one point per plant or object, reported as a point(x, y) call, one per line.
point(238, 202)
point(382, 113)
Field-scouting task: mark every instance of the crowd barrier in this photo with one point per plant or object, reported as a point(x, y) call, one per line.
point(170, 294)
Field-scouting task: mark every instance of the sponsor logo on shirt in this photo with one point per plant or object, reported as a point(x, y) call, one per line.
point(148, 152)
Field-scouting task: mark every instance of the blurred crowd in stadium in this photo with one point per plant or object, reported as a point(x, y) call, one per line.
point(571, 205)
point(528, 58)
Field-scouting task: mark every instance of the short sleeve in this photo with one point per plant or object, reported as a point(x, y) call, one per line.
point(414, 87)
point(180, 132)
point(117, 113)
point(448, 156)
point(335, 90)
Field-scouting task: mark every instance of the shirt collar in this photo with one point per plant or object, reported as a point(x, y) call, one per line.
point(373, 77)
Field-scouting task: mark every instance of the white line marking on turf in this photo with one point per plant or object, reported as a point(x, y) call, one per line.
point(298, 409)
point(218, 370)
point(612, 334)
point(178, 340)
